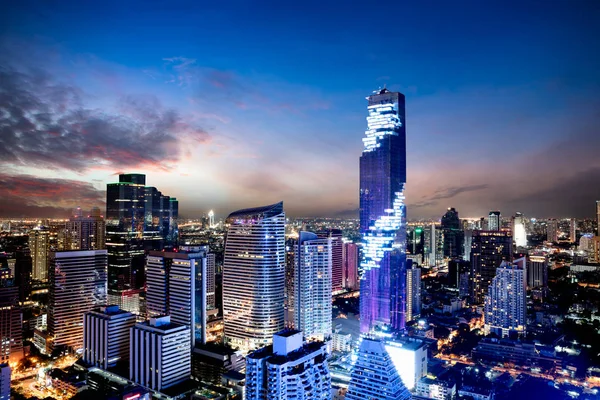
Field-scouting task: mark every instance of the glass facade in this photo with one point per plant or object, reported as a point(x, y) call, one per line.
point(383, 213)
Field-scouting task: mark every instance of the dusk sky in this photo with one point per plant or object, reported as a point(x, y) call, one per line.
point(236, 104)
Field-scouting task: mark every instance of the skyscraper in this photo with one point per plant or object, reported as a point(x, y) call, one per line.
point(413, 293)
point(488, 250)
point(178, 285)
point(11, 319)
point(506, 302)
point(573, 230)
point(85, 232)
point(374, 375)
point(350, 266)
point(289, 369)
point(519, 230)
point(337, 251)
point(537, 271)
point(453, 234)
point(138, 218)
point(76, 279)
point(39, 245)
point(5, 374)
point(383, 213)
point(311, 296)
point(552, 230)
point(598, 217)
point(494, 221)
point(254, 276)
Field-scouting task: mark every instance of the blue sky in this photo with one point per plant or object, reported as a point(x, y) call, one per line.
point(236, 104)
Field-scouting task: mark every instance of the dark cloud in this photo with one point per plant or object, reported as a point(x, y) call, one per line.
point(450, 192)
point(29, 196)
point(45, 124)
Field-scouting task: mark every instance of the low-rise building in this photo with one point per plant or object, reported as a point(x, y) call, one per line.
point(436, 389)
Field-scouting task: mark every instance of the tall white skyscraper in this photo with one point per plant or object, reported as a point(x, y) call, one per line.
point(494, 221)
point(413, 293)
point(254, 276)
point(106, 336)
point(39, 244)
point(312, 286)
point(77, 284)
point(374, 375)
point(159, 353)
point(179, 284)
point(519, 230)
point(288, 370)
point(506, 302)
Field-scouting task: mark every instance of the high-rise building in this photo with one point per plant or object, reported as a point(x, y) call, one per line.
point(337, 254)
point(374, 375)
point(537, 271)
point(77, 280)
point(519, 230)
point(413, 293)
point(488, 250)
point(254, 276)
point(211, 219)
point(409, 355)
point(598, 217)
point(39, 244)
point(383, 213)
point(106, 336)
point(494, 221)
point(178, 285)
point(5, 375)
point(289, 369)
point(311, 297)
point(573, 230)
point(159, 355)
point(453, 234)
point(552, 230)
point(85, 232)
point(138, 218)
point(506, 302)
point(433, 246)
point(350, 266)
point(11, 319)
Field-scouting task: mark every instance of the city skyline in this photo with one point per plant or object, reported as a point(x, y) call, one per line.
point(223, 126)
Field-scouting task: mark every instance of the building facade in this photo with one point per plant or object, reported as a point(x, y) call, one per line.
point(453, 234)
point(337, 257)
point(350, 279)
point(494, 221)
point(5, 375)
point(288, 370)
point(413, 293)
point(85, 232)
point(11, 319)
point(254, 276)
point(552, 230)
point(537, 271)
point(519, 230)
point(39, 245)
point(383, 213)
point(488, 250)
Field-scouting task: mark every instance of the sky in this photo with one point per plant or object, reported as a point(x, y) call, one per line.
point(228, 105)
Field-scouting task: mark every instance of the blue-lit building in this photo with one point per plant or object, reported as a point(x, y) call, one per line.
point(383, 213)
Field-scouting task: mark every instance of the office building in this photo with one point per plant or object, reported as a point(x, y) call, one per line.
point(488, 250)
point(409, 355)
point(77, 284)
point(11, 319)
point(552, 230)
point(254, 276)
point(374, 375)
point(573, 230)
point(537, 271)
point(350, 266)
point(289, 369)
point(494, 221)
point(5, 375)
point(337, 254)
point(383, 213)
point(311, 297)
point(159, 353)
point(453, 234)
point(519, 230)
point(85, 232)
point(505, 304)
point(138, 218)
point(39, 245)
point(178, 285)
point(106, 336)
point(413, 293)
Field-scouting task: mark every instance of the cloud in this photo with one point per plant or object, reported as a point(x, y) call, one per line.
point(29, 196)
point(450, 192)
point(44, 124)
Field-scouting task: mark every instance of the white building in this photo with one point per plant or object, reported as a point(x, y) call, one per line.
point(341, 342)
point(413, 293)
point(290, 369)
point(159, 353)
point(106, 336)
point(374, 375)
point(311, 296)
point(409, 355)
point(254, 277)
point(181, 285)
point(436, 389)
point(5, 381)
point(505, 303)
point(494, 221)
point(519, 230)
point(77, 284)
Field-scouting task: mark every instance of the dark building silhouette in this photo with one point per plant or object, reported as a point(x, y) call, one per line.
point(488, 250)
point(453, 234)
